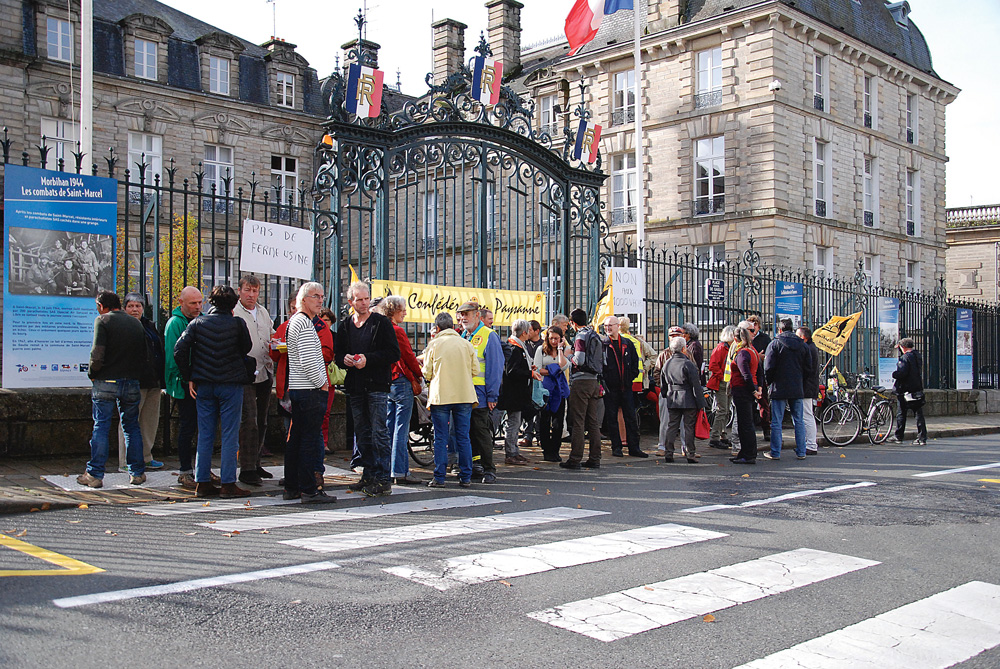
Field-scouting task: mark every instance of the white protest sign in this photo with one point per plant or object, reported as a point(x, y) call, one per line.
point(270, 248)
point(628, 287)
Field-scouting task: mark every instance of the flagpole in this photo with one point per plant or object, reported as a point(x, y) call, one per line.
point(640, 172)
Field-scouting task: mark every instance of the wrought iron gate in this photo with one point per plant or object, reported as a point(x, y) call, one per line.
point(446, 190)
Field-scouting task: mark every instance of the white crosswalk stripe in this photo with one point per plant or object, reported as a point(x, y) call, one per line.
point(355, 513)
point(333, 543)
point(512, 562)
point(621, 614)
point(932, 633)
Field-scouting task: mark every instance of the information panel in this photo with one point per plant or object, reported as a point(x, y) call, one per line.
point(888, 336)
point(963, 349)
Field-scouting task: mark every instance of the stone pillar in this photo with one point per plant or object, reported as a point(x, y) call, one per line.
point(449, 48)
point(504, 32)
point(370, 47)
point(664, 14)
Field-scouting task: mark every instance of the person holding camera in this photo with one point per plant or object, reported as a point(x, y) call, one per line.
point(909, 387)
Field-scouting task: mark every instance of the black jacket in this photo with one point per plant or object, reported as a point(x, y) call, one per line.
point(760, 343)
point(907, 374)
point(212, 349)
point(787, 363)
point(621, 365)
point(381, 351)
point(515, 389)
point(810, 385)
point(152, 376)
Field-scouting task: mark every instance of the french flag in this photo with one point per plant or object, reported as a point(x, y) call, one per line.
point(486, 77)
point(588, 140)
point(364, 91)
point(585, 18)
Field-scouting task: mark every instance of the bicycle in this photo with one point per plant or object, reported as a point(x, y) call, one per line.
point(421, 441)
point(844, 420)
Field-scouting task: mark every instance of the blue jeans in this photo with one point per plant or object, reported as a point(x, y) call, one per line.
point(120, 395)
point(219, 404)
point(458, 415)
point(398, 424)
point(777, 415)
point(304, 447)
point(370, 410)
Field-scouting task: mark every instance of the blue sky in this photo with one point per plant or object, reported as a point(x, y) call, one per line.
point(961, 35)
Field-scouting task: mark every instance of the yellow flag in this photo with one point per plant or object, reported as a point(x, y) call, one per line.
point(354, 278)
point(605, 303)
point(832, 337)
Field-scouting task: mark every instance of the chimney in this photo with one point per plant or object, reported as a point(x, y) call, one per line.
point(505, 32)
point(449, 48)
point(370, 47)
point(664, 14)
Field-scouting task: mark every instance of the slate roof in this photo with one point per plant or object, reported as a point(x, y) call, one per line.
point(868, 21)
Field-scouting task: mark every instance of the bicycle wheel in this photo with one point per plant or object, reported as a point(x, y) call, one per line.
point(881, 422)
point(421, 444)
point(844, 425)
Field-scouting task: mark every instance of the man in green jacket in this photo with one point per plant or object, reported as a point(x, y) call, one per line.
point(188, 308)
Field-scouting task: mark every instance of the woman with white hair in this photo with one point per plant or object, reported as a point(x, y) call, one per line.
point(406, 376)
point(685, 398)
point(717, 382)
point(150, 386)
point(515, 389)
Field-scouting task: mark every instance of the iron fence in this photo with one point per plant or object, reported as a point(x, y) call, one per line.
point(677, 292)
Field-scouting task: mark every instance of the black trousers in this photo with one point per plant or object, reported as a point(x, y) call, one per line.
point(550, 429)
point(918, 410)
point(614, 400)
point(744, 404)
point(481, 432)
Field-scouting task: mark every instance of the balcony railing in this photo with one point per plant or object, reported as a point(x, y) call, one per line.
point(623, 116)
point(973, 217)
point(819, 103)
point(909, 136)
point(868, 119)
point(869, 219)
point(821, 208)
point(707, 99)
point(623, 216)
point(911, 228)
point(553, 129)
point(430, 243)
point(705, 206)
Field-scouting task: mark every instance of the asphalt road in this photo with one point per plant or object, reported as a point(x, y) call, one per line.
point(808, 581)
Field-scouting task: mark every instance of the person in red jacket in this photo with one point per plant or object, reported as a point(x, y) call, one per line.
point(406, 376)
point(717, 382)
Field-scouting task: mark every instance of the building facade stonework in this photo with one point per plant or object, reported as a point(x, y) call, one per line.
point(974, 253)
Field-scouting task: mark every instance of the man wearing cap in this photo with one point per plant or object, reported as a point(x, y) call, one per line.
point(489, 353)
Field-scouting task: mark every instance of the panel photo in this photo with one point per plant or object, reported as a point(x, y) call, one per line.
point(55, 262)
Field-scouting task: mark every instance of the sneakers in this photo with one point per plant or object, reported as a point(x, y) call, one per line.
point(435, 484)
point(318, 497)
point(138, 480)
point(250, 477)
point(186, 481)
point(919, 442)
point(154, 464)
point(376, 489)
point(767, 454)
point(489, 477)
point(800, 457)
point(894, 440)
point(89, 481)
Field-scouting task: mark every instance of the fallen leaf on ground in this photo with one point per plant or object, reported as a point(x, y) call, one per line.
point(524, 500)
point(46, 506)
point(497, 511)
point(190, 534)
point(74, 521)
point(230, 534)
point(709, 618)
point(295, 601)
point(842, 455)
point(264, 532)
point(211, 522)
point(648, 587)
point(236, 531)
point(548, 492)
point(207, 504)
point(33, 509)
point(173, 501)
point(507, 583)
point(83, 506)
point(579, 506)
point(114, 534)
point(745, 476)
point(593, 488)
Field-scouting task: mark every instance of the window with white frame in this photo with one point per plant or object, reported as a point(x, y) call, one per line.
point(59, 40)
point(286, 90)
point(145, 59)
point(623, 109)
point(218, 167)
point(61, 136)
point(491, 277)
point(911, 119)
point(148, 149)
point(218, 75)
point(820, 82)
point(869, 181)
point(430, 228)
point(492, 222)
point(870, 102)
point(823, 261)
point(285, 174)
point(913, 203)
point(709, 175)
point(623, 189)
point(708, 89)
point(872, 269)
point(821, 177)
point(548, 120)
point(913, 275)
point(552, 285)
point(215, 272)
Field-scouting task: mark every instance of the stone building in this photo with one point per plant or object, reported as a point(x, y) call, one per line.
point(817, 127)
point(974, 253)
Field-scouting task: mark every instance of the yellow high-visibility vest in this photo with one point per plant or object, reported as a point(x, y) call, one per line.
point(479, 341)
point(638, 353)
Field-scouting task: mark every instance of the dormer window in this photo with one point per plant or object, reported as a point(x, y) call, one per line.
point(900, 13)
point(286, 90)
point(145, 59)
point(218, 75)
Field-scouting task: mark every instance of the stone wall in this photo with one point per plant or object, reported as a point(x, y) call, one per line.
point(51, 422)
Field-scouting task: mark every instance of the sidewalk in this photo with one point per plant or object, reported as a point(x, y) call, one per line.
point(22, 488)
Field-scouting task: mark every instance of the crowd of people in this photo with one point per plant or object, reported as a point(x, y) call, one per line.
point(568, 379)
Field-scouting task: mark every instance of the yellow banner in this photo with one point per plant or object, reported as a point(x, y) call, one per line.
point(832, 336)
point(425, 301)
point(605, 303)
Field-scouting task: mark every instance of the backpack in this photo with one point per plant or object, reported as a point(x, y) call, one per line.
point(594, 351)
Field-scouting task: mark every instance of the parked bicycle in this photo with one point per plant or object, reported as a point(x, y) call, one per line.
point(844, 420)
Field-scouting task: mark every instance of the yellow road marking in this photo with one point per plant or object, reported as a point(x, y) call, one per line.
point(68, 566)
point(990, 480)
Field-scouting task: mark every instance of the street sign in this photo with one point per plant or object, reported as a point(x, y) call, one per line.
point(715, 290)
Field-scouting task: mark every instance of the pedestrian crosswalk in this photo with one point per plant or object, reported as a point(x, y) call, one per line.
point(940, 630)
